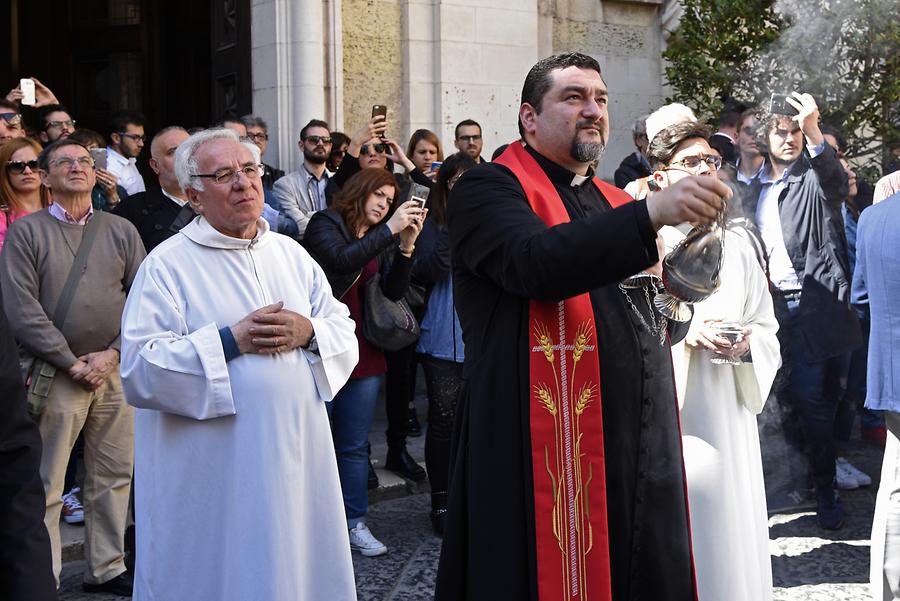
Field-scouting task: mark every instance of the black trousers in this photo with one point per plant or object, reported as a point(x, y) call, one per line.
point(443, 380)
point(399, 392)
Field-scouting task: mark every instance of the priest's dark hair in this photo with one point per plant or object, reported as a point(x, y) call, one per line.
point(350, 201)
point(665, 144)
point(539, 79)
point(453, 166)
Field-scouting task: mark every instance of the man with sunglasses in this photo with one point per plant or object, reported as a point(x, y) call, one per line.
point(302, 192)
point(796, 203)
point(125, 133)
point(86, 393)
point(10, 122)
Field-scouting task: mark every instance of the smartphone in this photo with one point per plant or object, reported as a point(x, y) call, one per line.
point(436, 165)
point(778, 105)
point(27, 87)
point(379, 109)
point(99, 156)
point(418, 193)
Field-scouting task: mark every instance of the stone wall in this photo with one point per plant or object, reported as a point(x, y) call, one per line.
point(373, 65)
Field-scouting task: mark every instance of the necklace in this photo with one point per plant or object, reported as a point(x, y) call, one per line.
point(657, 326)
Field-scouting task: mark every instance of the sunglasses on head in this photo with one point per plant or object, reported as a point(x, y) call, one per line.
point(376, 148)
point(11, 118)
point(18, 167)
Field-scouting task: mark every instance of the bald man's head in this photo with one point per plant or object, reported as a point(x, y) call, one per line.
point(162, 157)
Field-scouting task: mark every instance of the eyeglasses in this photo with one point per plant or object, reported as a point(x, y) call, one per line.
point(228, 175)
point(314, 140)
point(11, 118)
point(376, 148)
point(18, 167)
point(67, 163)
point(135, 137)
point(692, 163)
point(258, 137)
point(68, 124)
point(469, 139)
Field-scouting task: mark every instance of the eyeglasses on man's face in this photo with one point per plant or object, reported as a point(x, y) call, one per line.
point(18, 167)
point(375, 148)
point(135, 137)
point(227, 175)
point(315, 140)
point(692, 163)
point(68, 162)
point(258, 137)
point(67, 124)
point(11, 119)
point(469, 139)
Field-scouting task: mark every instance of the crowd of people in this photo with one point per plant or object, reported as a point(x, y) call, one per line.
point(220, 337)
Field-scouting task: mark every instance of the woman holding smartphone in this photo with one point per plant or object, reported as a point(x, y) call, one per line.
point(21, 191)
point(354, 240)
point(424, 149)
point(440, 347)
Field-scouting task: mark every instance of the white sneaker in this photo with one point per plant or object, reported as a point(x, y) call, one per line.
point(860, 476)
point(361, 540)
point(844, 478)
point(72, 511)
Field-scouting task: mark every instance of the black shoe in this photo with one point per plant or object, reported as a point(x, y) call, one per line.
point(121, 585)
point(438, 520)
point(373, 477)
point(404, 465)
point(413, 427)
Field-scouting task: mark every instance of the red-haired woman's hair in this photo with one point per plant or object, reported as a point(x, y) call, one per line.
point(427, 135)
point(350, 202)
point(8, 196)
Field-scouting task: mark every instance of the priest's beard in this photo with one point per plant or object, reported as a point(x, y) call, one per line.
point(587, 152)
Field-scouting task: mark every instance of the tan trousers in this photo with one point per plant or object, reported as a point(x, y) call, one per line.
point(108, 424)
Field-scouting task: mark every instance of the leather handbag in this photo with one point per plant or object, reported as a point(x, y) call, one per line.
point(389, 325)
point(38, 373)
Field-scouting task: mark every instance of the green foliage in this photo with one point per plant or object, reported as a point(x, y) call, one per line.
point(846, 53)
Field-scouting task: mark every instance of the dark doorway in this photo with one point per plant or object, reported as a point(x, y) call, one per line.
point(176, 61)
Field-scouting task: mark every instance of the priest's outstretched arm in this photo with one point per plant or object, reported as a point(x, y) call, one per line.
point(496, 235)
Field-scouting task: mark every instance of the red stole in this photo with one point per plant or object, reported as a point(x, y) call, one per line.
point(566, 418)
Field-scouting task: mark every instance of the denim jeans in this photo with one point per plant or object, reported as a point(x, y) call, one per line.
point(814, 390)
point(351, 413)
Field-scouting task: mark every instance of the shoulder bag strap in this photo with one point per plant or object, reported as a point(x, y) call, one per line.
point(79, 266)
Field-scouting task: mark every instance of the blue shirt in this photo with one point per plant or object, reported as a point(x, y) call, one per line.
point(441, 333)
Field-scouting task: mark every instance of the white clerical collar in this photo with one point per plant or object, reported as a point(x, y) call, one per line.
point(200, 231)
point(577, 180)
point(174, 199)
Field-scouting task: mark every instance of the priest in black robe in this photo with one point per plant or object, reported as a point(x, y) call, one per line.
point(505, 258)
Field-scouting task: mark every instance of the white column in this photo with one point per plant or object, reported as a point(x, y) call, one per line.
point(288, 64)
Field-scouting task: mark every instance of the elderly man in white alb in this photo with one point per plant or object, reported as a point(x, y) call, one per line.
point(232, 341)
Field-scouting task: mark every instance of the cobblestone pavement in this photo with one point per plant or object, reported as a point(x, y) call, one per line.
point(809, 564)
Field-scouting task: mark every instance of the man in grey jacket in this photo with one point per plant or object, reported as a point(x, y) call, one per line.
point(302, 192)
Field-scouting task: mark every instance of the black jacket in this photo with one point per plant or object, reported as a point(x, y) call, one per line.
point(152, 213)
point(813, 230)
point(25, 567)
point(631, 168)
point(343, 256)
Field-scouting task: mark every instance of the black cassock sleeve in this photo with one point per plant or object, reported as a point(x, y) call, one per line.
point(495, 235)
